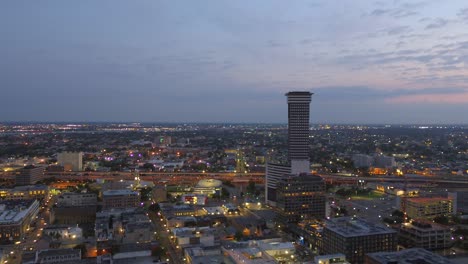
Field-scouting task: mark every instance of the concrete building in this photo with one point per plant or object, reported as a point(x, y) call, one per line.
point(298, 144)
point(29, 175)
point(120, 199)
point(428, 208)
point(58, 255)
point(274, 172)
point(25, 192)
point(362, 161)
point(382, 161)
point(71, 161)
point(266, 251)
point(355, 238)
point(377, 160)
point(76, 199)
point(424, 234)
point(73, 215)
point(191, 236)
point(298, 131)
point(331, 259)
point(300, 197)
point(15, 218)
point(407, 256)
point(195, 255)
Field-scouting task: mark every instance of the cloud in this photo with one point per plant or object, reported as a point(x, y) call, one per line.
point(441, 98)
point(463, 14)
point(398, 30)
point(438, 23)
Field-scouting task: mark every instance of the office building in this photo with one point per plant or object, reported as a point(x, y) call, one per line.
point(274, 172)
point(298, 144)
point(300, 197)
point(76, 199)
point(120, 199)
point(407, 256)
point(73, 215)
point(25, 192)
point(15, 218)
point(71, 161)
point(428, 208)
point(298, 131)
point(29, 175)
point(425, 234)
point(355, 238)
point(362, 161)
point(331, 259)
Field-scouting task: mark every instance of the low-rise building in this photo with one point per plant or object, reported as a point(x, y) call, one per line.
point(15, 218)
point(76, 199)
point(73, 215)
point(407, 256)
point(428, 208)
point(58, 255)
point(197, 255)
point(355, 237)
point(29, 175)
point(190, 237)
point(120, 199)
point(331, 259)
point(64, 232)
point(424, 234)
point(25, 192)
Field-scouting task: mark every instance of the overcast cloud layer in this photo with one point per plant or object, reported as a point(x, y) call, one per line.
point(232, 61)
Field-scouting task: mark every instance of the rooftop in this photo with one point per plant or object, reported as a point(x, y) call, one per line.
point(428, 199)
point(14, 211)
point(352, 227)
point(119, 192)
point(409, 256)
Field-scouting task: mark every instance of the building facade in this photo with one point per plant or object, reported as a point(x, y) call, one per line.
point(120, 199)
point(355, 238)
point(300, 197)
point(407, 256)
point(298, 144)
point(428, 208)
point(29, 175)
point(15, 218)
point(76, 199)
point(424, 234)
point(71, 161)
point(274, 172)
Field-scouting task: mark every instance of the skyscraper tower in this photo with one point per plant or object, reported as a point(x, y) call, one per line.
point(298, 131)
point(298, 144)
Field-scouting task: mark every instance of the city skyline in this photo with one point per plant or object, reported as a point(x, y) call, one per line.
point(367, 62)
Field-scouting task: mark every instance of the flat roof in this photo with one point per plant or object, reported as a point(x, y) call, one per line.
point(13, 211)
point(429, 199)
point(409, 256)
point(353, 227)
point(119, 192)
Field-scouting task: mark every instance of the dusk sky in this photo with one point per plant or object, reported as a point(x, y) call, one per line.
point(232, 61)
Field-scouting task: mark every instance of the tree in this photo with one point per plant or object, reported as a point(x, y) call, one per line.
point(251, 187)
point(441, 219)
point(238, 236)
point(83, 249)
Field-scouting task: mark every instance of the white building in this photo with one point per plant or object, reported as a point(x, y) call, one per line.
point(71, 161)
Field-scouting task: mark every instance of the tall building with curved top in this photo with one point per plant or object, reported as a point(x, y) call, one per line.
point(298, 144)
point(298, 131)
